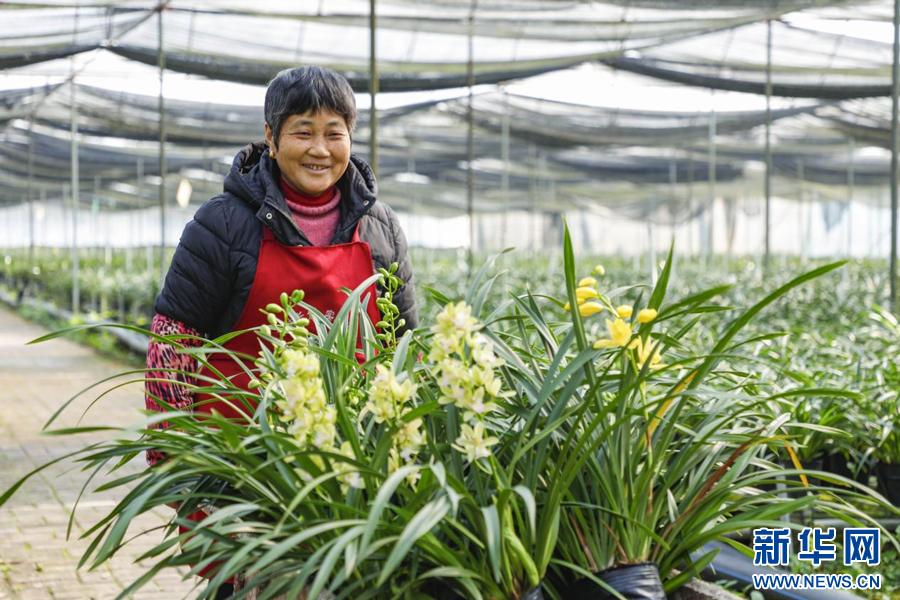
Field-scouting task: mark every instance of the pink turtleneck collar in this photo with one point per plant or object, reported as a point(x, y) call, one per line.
point(316, 216)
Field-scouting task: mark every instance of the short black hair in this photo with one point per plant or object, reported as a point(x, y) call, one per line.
point(308, 89)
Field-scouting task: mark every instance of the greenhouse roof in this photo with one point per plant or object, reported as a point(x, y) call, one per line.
point(424, 45)
point(597, 146)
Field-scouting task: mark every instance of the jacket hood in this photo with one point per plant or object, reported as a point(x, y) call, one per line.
point(254, 177)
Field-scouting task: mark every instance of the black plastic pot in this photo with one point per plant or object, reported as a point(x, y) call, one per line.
point(443, 593)
point(859, 470)
point(889, 482)
point(635, 582)
point(837, 464)
point(535, 594)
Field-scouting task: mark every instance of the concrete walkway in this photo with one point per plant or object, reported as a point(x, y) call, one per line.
point(36, 561)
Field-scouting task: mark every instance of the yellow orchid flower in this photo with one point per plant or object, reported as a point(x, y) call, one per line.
point(587, 281)
point(646, 315)
point(619, 335)
point(648, 351)
point(589, 308)
point(473, 443)
point(624, 311)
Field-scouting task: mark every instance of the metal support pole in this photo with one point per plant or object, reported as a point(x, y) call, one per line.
point(895, 150)
point(162, 155)
point(43, 197)
point(76, 292)
point(97, 218)
point(470, 138)
point(142, 225)
point(129, 248)
point(851, 177)
point(810, 205)
point(673, 195)
point(532, 190)
point(65, 215)
point(412, 190)
point(504, 177)
point(540, 182)
point(373, 92)
point(651, 236)
point(7, 217)
point(31, 190)
point(690, 203)
point(711, 178)
point(768, 142)
point(801, 207)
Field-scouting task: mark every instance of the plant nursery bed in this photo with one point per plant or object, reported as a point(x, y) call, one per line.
point(603, 431)
point(121, 344)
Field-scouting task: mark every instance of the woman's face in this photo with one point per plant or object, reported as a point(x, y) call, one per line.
point(313, 151)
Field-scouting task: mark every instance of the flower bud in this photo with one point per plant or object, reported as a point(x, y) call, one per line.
point(382, 324)
point(274, 308)
point(646, 315)
point(393, 268)
point(624, 311)
point(583, 293)
point(587, 281)
point(589, 308)
point(401, 322)
point(297, 296)
point(273, 320)
point(284, 298)
point(599, 270)
point(266, 329)
point(254, 384)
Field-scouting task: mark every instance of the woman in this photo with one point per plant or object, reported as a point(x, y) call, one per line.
point(299, 211)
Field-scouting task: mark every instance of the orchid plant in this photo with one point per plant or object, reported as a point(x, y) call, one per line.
point(491, 454)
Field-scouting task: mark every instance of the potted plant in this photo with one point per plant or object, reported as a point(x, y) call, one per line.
point(494, 455)
point(885, 405)
point(888, 450)
point(679, 469)
point(371, 476)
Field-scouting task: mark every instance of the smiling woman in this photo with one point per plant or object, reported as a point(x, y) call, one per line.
point(312, 147)
point(299, 211)
point(312, 152)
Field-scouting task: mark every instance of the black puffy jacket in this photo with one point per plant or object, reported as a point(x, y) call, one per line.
point(210, 277)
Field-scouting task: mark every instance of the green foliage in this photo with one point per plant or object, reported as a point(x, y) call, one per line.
point(510, 441)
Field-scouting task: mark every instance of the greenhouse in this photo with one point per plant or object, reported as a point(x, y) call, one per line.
point(450, 299)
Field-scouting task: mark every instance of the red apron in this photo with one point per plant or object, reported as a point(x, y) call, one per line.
point(320, 271)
